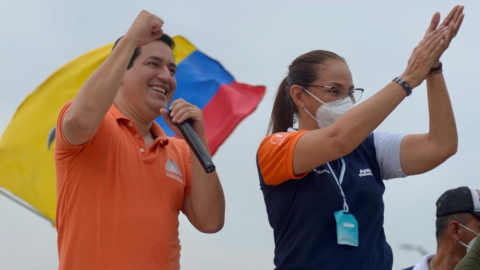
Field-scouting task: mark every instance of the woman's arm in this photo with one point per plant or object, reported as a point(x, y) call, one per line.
point(420, 153)
point(353, 128)
point(423, 152)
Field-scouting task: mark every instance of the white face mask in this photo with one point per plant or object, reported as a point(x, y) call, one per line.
point(329, 112)
point(470, 244)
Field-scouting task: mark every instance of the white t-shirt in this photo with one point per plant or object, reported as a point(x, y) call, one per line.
point(423, 264)
point(387, 146)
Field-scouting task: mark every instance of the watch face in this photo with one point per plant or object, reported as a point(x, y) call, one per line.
point(404, 85)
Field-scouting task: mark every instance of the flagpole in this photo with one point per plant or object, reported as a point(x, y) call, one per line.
point(24, 205)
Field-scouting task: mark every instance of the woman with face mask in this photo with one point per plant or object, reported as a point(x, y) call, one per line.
point(323, 181)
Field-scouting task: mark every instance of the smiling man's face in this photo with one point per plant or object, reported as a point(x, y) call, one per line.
point(150, 83)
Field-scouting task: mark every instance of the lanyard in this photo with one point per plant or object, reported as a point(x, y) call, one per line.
point(339, 182)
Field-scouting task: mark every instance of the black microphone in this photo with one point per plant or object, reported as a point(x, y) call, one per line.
point(194, 142)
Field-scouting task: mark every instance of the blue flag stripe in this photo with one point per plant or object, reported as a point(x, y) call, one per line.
point(198, 79)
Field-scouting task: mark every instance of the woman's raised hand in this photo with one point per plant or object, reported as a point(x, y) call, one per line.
point(436, 40)
point(426, 53)
point(453, 21)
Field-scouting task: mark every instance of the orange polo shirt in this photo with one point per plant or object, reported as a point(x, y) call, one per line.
point(119, 201)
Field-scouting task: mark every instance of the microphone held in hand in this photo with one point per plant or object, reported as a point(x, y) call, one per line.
point(196, 145)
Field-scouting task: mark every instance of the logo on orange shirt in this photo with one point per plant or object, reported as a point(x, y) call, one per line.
point(279, 138)
point(172, 170)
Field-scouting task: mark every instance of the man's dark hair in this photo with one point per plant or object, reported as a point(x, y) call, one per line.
point(443, 221)
point(164, 38)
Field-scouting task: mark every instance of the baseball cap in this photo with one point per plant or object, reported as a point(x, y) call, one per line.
point(459, 200)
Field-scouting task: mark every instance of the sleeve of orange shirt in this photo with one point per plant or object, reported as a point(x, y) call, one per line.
point(62, 147)
point(61, 142)
point(275, 157)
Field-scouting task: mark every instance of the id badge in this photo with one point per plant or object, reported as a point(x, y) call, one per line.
point(347, 228)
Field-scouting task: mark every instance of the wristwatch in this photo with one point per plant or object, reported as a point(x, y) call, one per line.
point(404, 85)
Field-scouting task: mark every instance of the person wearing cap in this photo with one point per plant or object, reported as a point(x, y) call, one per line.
point(457, 227)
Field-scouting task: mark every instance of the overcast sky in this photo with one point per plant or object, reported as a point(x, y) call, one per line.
point(255, 41)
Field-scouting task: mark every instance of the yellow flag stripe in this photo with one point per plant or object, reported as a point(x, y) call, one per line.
point(183, 48)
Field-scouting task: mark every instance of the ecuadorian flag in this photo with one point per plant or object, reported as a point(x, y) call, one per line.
point(27, 166)
point(205, 83)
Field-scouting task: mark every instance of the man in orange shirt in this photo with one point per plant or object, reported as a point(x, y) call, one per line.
point(121, 182)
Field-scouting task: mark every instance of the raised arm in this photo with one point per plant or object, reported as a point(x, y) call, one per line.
point(97, 94)
point(323, 145)
point(420, 153)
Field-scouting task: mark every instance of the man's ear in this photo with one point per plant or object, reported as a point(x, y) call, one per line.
point(297, 94)
point(453, 230)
